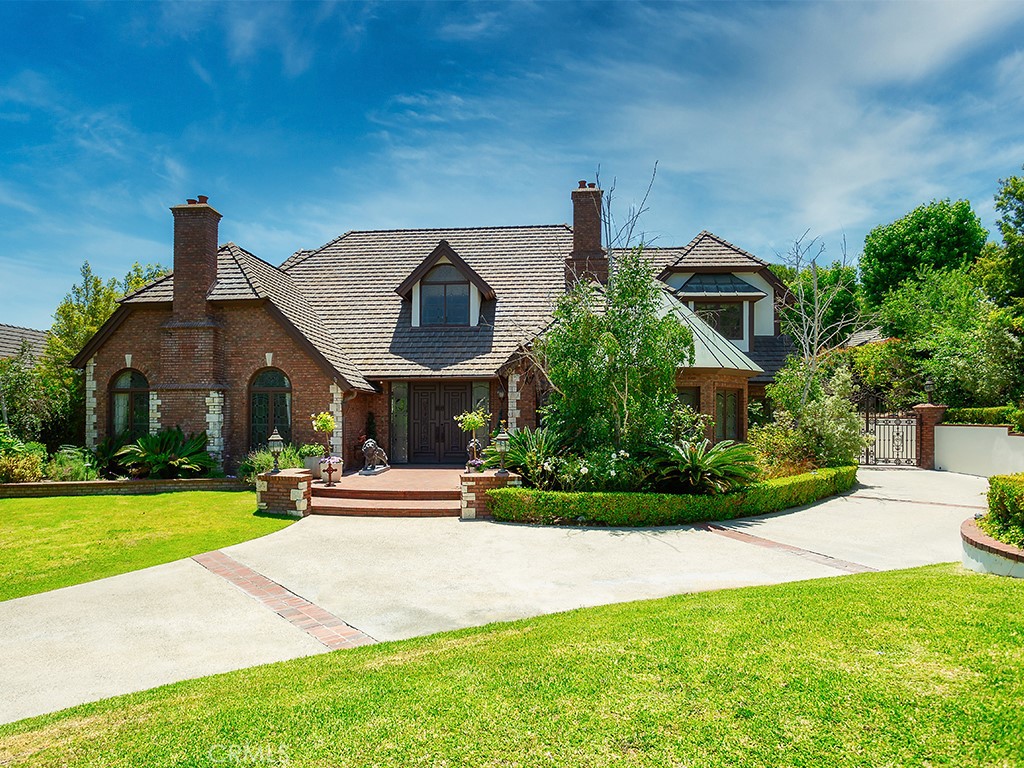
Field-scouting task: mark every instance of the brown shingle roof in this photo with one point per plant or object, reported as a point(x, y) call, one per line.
point(13, 336)
point(706, 250)
point(241, 275)
point(351, 281)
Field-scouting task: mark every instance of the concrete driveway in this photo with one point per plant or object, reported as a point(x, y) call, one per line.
point(332, 582)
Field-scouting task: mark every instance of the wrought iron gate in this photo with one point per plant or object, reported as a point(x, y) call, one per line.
point(894, 436)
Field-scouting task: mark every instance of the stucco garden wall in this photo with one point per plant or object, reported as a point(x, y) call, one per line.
point(980, 450)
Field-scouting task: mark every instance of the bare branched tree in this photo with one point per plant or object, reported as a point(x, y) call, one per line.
point(616, 235)
point(807, 309)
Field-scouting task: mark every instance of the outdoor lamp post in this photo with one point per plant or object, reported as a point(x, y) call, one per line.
point(929, 387)
point(501, 444)
point(276, 444)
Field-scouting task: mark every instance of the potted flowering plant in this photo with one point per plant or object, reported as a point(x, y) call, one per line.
point(323, 423)
point(330, 465)
point(471, 421)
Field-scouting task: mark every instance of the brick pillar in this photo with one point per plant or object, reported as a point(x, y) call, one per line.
point(928, 416)
point(475, 504)
point(287, 492)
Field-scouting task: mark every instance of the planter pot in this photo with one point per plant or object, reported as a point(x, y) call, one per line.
point(313, 465)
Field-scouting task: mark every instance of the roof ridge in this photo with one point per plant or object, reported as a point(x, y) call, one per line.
point(455, 229)
point(22, 328)
point(147, 286)
point(255, 285)
point(725, 242)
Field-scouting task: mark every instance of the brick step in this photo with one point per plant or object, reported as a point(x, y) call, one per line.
point(385, 508)
point(385, 494)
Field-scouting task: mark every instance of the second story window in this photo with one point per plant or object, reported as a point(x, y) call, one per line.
point(444, 297)
point(724, 317)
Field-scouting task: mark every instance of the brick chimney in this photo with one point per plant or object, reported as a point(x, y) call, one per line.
point(195, 257)
point(588, 259)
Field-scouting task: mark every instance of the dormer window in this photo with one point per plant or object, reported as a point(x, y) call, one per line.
point(445, 291)
point(444, 297)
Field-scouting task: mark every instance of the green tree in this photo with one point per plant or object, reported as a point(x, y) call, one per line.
point(949, 330)
point(77, 318)
point(940, 235)
point(24, 406)
point(1010, 204)
point(611, 356)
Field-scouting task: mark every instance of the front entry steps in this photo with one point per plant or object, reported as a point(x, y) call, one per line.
point(346, 498)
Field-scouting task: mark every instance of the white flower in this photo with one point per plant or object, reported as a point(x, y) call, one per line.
point(547, 466)
point(583, 470)
point(623, 454)
point(612, 473)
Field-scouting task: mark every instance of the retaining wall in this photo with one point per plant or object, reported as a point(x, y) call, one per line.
point(119, 487)
point(978, 449)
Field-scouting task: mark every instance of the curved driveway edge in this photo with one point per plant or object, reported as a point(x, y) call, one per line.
point(397, 578)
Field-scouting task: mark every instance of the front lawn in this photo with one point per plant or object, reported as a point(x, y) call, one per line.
point(915, 667)
point(55, 542)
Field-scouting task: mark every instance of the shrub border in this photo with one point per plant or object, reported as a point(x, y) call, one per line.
point(529, 505)
point(119, 487)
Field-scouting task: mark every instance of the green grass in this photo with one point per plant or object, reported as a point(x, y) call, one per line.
point(56, 542)
point(916, 667)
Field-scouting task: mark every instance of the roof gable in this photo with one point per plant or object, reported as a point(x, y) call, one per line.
point(708, 250)
point(444, 251)
point(242, 276)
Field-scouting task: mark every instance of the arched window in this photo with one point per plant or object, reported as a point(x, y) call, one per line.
point(129, 405)
point(444, 297)
point(270, 406)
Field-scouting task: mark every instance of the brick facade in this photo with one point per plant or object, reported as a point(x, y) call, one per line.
point(711, 381)
point(475, 504)
point(250, 339)
point(355, 415)
point(288, 492)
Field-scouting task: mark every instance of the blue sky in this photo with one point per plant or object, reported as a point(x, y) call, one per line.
point(304, 120)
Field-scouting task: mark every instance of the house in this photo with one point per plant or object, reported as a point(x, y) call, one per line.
point(395, 332)
point(13, 338)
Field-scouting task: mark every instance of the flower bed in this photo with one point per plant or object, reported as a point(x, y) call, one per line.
point(527, 505)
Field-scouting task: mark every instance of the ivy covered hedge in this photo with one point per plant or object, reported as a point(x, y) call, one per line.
point(1005, 518)
point(1001, 415)
point(528, 505)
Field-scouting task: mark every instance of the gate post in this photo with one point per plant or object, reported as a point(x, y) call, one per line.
point(928, 416)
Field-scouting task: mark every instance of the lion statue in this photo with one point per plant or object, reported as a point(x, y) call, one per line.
point(374, 455)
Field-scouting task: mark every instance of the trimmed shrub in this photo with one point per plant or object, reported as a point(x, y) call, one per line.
point(527, 505)
point(1004, 415)
point(21, 467)
point(1005, 518)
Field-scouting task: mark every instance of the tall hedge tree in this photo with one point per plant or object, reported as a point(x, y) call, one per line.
point(939, 235)
point(611, 356)
point(79, 315)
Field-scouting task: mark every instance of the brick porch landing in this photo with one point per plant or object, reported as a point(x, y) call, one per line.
point(399, 492)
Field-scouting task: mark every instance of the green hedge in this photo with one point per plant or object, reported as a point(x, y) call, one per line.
point(1005, 518)
point(1003, 415)
point(527, 505)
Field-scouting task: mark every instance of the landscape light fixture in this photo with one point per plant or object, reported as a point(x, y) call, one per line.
point(276, 444)
point(929, 387)
point(501, 444)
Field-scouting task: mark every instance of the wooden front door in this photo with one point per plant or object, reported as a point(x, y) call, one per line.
point(434, 437)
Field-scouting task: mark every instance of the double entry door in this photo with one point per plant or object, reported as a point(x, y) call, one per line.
point(434, 437)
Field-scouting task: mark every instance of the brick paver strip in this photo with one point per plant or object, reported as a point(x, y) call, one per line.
point(817, 557)
point(310, 618)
